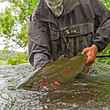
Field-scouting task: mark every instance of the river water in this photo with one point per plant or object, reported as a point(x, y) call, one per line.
point(92, 94)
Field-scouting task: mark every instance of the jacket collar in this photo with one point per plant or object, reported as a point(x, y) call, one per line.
point(46, 14)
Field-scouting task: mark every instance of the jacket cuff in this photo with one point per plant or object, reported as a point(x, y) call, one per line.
point(40, 60)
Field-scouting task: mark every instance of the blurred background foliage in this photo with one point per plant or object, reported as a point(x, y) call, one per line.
point(13, 22)
point(14, 26)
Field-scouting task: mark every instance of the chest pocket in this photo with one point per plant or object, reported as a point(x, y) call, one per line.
point(54, 32)
point(77, 37)
point(70, 40)
point(78, 29)
point(55, 41)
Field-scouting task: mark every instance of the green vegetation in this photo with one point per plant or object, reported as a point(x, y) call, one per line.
point(17, 13)
point(7, 57)
point(13, 25)
point(107, 3)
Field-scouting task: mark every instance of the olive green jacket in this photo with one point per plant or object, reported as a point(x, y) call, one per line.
point(82, 23)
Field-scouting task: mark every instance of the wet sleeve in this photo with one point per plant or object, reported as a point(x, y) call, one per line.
point(38, 45)
point(102, 24)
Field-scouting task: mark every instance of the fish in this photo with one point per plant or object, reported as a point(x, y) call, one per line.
point(55, 73)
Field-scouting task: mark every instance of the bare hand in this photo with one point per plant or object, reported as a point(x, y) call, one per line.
point(90, 54)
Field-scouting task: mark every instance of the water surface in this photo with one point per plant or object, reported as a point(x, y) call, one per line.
point(92, 94)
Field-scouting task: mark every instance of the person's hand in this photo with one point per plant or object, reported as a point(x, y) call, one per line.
point(90, 54)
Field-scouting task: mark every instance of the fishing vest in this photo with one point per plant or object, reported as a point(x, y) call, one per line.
point(69, 38)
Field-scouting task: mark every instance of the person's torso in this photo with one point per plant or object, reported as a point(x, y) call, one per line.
point(71, 33)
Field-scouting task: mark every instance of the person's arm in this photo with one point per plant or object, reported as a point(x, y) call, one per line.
point(38, 45)
point(102, 31)
point(102, 25)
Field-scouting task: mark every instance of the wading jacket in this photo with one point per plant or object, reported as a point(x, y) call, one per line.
point(82, 23)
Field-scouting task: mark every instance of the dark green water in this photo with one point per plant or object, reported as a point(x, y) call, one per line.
point(92, 94)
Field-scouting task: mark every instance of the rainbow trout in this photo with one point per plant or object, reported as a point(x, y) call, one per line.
point(60, 71)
